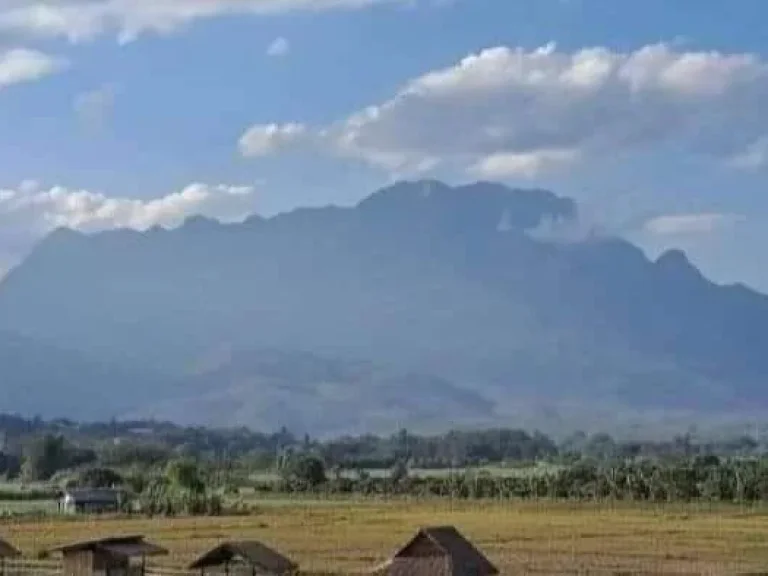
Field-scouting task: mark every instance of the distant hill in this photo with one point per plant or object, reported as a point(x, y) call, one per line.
point(476, 298)
point(40, 379)
point(305, 392)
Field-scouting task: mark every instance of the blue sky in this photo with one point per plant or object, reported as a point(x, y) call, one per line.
point(134, 113)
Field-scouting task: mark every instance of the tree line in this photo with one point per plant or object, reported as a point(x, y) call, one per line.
point(186, 486)
point(34, 449)
point(694, 479)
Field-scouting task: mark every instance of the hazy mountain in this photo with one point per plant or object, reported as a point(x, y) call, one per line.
point(481, 287)
point(305, 392)
point(40, 379)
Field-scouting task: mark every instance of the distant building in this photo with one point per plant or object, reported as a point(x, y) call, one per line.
point(90, 500)
point(437, 551)
point(116, 556)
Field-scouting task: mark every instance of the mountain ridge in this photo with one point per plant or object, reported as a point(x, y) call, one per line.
point(460, 283)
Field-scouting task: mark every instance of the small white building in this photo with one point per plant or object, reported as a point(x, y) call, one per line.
point(90, 500)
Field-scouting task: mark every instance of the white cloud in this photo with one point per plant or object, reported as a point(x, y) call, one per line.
point(30, 211)
point(21, 65)
point(31, 208)
point(690, 224)
point(266, 139)
point(279, 47)
point(526, 164)
point(81, 20)
point(516, 112)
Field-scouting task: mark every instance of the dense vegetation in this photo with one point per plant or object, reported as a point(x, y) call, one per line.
point(707, 479)
point(165, 469)
point(45, 448)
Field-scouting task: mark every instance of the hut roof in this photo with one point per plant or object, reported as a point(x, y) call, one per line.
point(447, 552)
point(126, 546)
point(7, 550)
point(251, 551)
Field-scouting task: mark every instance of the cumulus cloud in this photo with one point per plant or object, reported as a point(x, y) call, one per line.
point(33, 208)
point(29, 211)
point(509, 111)
point(689, 224)
point(522, 164)
point(279, 47)
point(266, 139)
point(22, 65)
point(82, 20)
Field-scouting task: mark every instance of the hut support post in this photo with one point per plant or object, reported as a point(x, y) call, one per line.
point(226, 568)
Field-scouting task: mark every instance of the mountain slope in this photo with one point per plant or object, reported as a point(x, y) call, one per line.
point(305, 392)
point(40, 379)
point(455, 282)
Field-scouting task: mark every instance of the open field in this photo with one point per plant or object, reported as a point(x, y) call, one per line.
point(28, 507)
point(533, 538)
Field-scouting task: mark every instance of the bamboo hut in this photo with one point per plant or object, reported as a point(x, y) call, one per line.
point(437, 551)
point(246, 558)
point(6, 551)
point(115, 556)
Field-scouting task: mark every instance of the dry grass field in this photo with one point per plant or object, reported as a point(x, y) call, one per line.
point(518, 537)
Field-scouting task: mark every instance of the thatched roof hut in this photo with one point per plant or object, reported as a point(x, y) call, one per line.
point(7, 551)
point(437, 551)
point(245, 557)
point(106, 554)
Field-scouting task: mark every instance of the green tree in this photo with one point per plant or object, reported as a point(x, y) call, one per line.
point(43, 457)
point(185, 475)
point(98, 477)
point(306, 469)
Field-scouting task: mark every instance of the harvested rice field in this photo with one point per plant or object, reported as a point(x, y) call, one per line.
point(533, 538)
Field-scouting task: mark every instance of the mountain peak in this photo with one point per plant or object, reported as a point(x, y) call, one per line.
point(63, 234)
point(402, 193)
point(476, 205)
point(676, 261)
point(200, 223)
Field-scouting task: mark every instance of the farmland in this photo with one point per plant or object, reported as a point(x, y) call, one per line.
point(339, 506)
point(546, 538)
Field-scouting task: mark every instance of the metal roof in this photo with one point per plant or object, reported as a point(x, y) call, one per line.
point(117, 545)
point(251, 551)
point(93, 494)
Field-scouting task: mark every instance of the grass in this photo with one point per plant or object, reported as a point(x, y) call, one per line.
point(542, 538)
point(28, 506)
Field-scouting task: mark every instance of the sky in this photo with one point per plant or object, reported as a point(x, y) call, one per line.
point(134, 113)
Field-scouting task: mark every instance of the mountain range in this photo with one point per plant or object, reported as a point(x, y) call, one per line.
point(424, 305)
